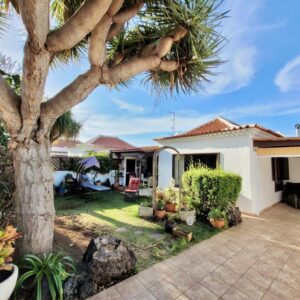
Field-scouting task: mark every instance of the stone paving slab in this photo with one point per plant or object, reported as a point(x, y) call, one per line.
point(259, 259)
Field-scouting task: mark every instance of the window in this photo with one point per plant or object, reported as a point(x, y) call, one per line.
point(179, 165)
point(209, 160)
point(280, 171)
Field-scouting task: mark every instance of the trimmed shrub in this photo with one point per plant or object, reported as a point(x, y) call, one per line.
point(106, 163)
point(207, 189)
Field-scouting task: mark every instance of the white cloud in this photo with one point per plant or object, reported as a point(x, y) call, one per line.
point(270, 109)
point(240, 53)
point(288, 78)
point(109, 125)
point(133, 126)
point(128, 106)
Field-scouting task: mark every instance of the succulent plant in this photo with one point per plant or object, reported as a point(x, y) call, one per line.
point(7, 240)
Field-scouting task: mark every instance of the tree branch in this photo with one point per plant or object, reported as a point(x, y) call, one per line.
point(128, 13)
point(97, 48)
point(68, 97)
point(129, 69)
point(9, 107)
point(83, 85)
point(78, 26)
point(120, 18)
point(35, 70)
point(35, 15)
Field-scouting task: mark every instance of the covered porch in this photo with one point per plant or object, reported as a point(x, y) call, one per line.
point(137, 162)
point(279, 160)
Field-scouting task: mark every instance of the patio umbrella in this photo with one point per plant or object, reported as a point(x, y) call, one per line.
point(89, 162)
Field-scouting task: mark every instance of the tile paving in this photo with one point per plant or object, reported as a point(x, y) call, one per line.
point(259, 259)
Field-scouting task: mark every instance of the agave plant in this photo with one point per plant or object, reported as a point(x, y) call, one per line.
point(54, 269)
point(7, 240)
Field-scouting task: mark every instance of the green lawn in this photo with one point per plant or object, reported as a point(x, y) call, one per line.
point(107, 212)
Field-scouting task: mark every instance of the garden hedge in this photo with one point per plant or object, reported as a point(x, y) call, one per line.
point(207, 189)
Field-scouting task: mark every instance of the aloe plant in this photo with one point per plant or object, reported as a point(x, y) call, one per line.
point(54, 268)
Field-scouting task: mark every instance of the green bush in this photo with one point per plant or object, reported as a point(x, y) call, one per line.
point(106, 163)
point(208, 189)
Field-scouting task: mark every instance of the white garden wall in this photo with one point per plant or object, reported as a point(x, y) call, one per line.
point(59, 176)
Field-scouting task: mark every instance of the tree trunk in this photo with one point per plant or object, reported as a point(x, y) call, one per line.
point(34, 197)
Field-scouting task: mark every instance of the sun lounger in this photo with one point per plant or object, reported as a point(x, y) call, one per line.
point(86, 183)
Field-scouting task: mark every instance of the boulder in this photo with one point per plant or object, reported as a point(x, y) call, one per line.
point(107, 260)
point(234, 216)
point(79, 287)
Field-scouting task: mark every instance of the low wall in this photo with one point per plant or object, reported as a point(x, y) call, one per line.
point(59, 176)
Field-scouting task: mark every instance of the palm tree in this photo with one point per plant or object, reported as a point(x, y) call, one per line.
point(65, 126)
point(173, 43)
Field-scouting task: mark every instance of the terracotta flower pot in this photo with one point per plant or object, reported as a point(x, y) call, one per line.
point(159, 214)
point(217, 223)
point(170, 207)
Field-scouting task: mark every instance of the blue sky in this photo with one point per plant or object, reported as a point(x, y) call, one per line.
point(260, 83)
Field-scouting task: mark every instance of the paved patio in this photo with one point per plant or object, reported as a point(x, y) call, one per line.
point(259, 259)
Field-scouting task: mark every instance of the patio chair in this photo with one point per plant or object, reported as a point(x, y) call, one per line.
point(86, 183)
point(132, 192)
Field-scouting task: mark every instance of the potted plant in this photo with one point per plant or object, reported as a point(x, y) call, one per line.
point(170, 223)
point(160, 210)
point(145, 209)
point(8, 271)
point(44, 275)
point(216, 218)
point(117, 178)
point(187, 213)
point(61, 189)
point(170, 200)
point(160, 195)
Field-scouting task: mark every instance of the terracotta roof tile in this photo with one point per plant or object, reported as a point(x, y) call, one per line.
point(146, 149)
point(218, 125)
point(62, 143)
point(109, 142)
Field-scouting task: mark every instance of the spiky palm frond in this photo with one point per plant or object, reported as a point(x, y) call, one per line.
point(196, 54)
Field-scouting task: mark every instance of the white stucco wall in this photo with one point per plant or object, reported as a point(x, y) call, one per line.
point(264, 194)
point(59, 176)
point(294, 166)
point(235, 156)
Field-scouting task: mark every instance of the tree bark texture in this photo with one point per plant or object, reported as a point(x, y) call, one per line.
point(34, 197)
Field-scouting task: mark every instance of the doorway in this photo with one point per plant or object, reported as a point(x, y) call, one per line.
point(130, 169)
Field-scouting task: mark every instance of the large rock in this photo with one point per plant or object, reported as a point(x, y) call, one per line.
point(107, 260)
point(234, 216)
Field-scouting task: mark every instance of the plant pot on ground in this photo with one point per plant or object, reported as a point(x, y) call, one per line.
point(146, 210)
point(187, 215)
point(8, 271)
point(61, 189)
point(160, 210)
point(217, 218)
point(170, 223)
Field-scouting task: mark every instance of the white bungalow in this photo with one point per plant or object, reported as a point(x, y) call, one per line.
point(264, 158)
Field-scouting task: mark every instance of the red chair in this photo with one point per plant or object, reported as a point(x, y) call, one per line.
point(132, 192)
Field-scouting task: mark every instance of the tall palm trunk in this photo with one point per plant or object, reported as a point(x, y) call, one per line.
point(34, 196)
